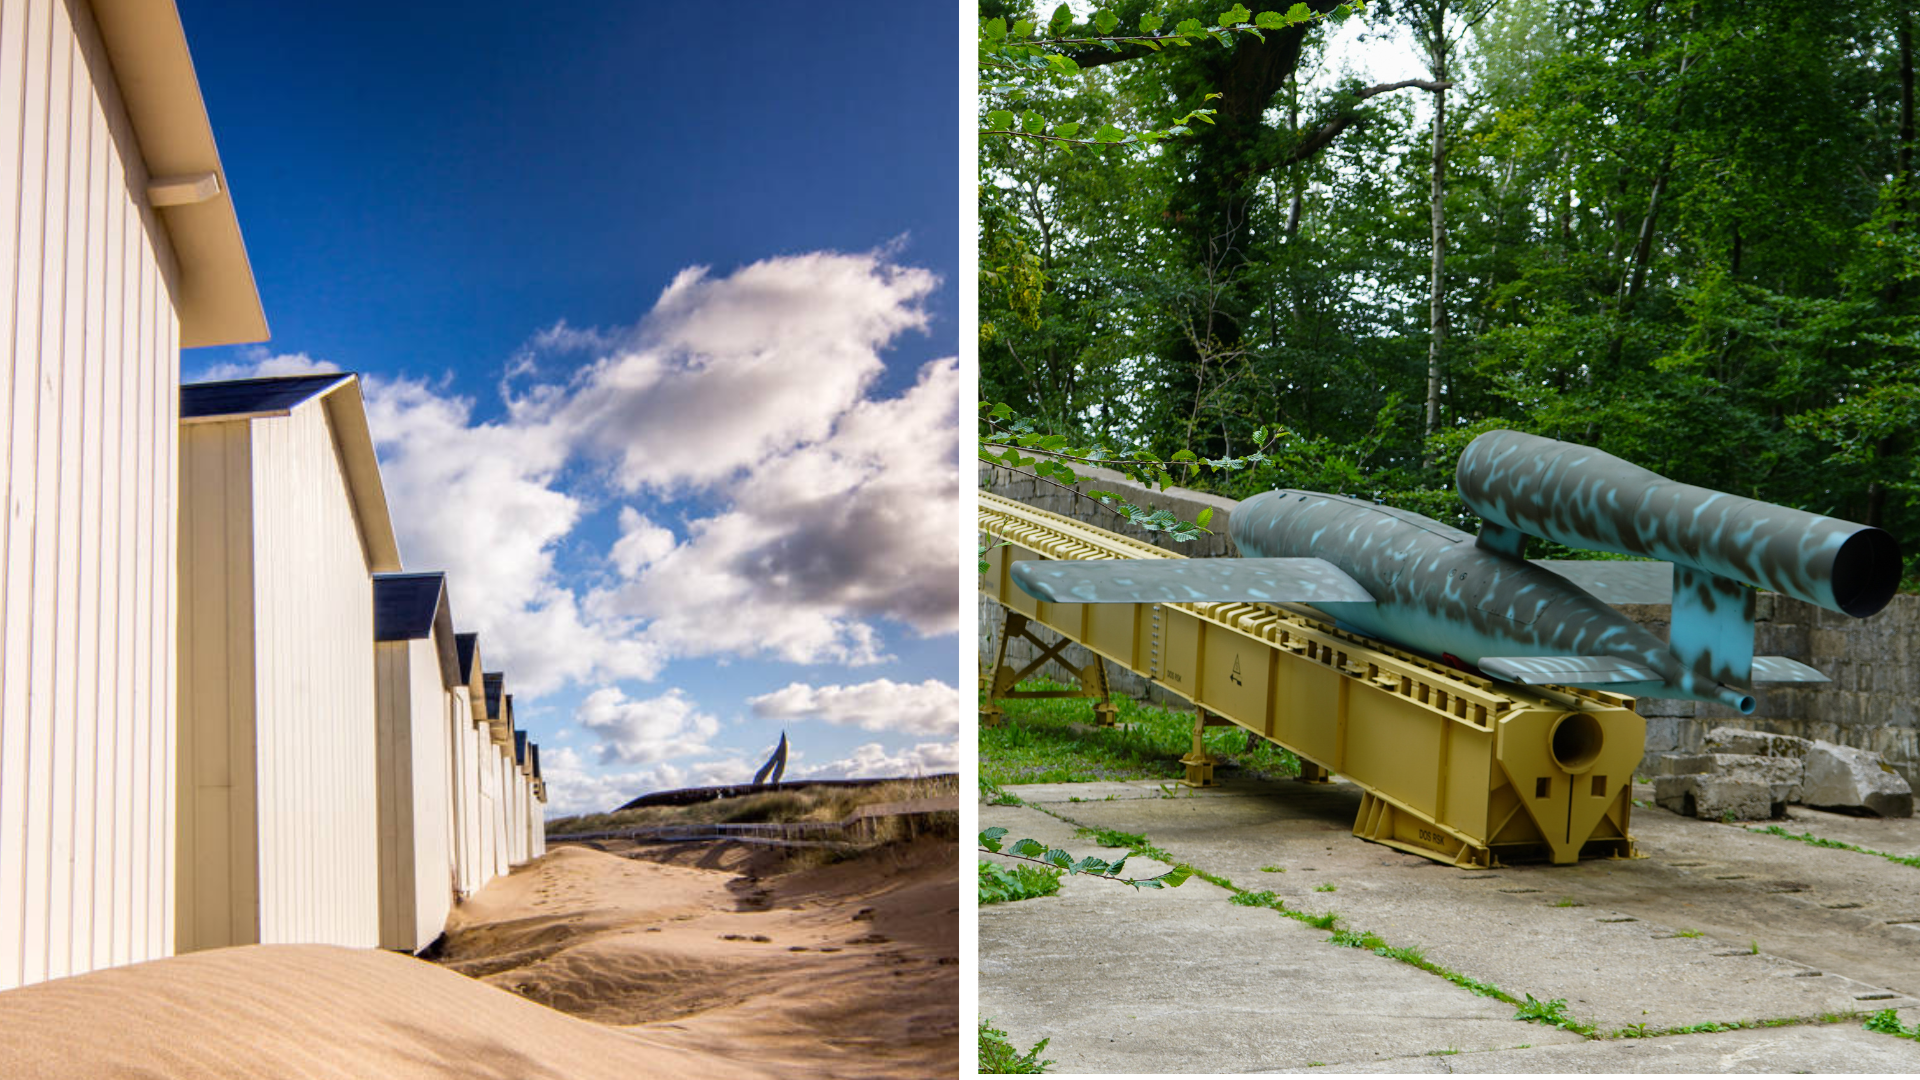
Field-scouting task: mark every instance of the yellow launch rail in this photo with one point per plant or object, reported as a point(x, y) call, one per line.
point(1453, 766)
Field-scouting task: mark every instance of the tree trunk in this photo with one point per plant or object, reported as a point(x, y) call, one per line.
point(1437, 307)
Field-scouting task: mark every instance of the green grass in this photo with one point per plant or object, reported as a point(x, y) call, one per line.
point(1775, 830)
point(1553, 1014)
point(1568, 901)
point(1273, 869)
point(998, 1056)
point(996, 797)
point(1326, 886)
point(1686, 933)
point(1054, 741)
point(1005, 884)
point(1114, 838)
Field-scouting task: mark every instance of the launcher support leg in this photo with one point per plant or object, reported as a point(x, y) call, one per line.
point(1092, 677)
point(1311, 773)
point(1199, 763)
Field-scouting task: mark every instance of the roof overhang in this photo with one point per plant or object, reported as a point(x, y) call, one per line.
point(218, 301)
point(347, 414)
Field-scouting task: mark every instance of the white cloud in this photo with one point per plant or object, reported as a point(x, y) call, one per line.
point(641, 543)
point(483, 502)
point(928, 708)
point(858, 526)
point(261, 364)
point(640, 732)
point(727, 372)
point(573, 788)
point(837, 510)
point(873, 760)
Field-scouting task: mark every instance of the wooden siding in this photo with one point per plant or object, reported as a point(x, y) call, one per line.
point(314, 729)
point(279, 823)
point(466, 792)
point(416, 798)
point(87, 489)
point(218, 818)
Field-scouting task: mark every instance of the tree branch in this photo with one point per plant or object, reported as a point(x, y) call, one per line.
point(1331, 130)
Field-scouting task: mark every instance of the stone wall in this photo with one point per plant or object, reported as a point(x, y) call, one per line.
point(1873, 702)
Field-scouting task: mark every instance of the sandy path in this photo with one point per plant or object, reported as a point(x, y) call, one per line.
point(848, 970)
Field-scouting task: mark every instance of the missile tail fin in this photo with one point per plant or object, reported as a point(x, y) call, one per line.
point(1188, 581)
point(1712, 628)
point(1567, 670)
point(1780, 669)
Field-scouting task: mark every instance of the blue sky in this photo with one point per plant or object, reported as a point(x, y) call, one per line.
point(658, 316)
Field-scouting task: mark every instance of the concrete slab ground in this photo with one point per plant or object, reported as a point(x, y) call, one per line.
point(1717, 925)
point(1839, 1048)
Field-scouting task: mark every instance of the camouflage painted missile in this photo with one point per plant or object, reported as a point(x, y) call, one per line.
point(1404, 578)
point(1586, 498)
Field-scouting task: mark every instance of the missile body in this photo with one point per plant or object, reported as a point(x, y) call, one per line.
point(1436, 591)
point(1587, 498)
point(1407, 579)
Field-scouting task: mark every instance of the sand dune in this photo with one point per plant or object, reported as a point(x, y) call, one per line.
point(669, 971)
point(313, 1011)
point(847, 970)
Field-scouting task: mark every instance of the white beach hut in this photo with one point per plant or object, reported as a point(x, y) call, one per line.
point(119, 245)
point(472, 743)
point(283, 522)
point(417, 680)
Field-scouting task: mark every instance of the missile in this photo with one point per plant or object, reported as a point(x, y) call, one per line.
point(1479, 603)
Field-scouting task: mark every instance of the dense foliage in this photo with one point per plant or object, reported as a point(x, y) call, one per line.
point(1679, 230)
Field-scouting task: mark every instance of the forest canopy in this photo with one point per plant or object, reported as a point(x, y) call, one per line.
point(1683, 232)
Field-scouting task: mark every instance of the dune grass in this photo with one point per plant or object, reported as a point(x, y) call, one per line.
point(824, 804)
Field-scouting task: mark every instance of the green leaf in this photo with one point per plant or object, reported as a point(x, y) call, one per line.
point(1270, 20)
point(1027, 849)
point(1203, 517)
point(1062, 18)
point(1299, 13)
point(1105, 21)
point(1341, 14)
point(1150, 23)
point(995, 29)
point(1023, 28)
point(1000, 120)
point(1058, 858)
point(1185, 455)
point(1233, 16)
point(1032, 122)
point(1067, 130)
point(1109, 134)
point(1190, 28)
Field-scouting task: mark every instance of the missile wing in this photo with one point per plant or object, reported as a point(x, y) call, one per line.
point(1188, 581)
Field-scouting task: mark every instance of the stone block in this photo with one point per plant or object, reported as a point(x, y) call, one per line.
point(1728, 740)
point(1716, 798)
point(1857, 781)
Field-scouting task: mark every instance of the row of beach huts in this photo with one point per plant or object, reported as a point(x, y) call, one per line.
point(228, 715)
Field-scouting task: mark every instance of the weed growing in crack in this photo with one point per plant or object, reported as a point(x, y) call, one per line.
point(999, 1056)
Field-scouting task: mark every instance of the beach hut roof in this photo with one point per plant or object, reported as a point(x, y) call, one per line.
point(468, 646)
point(404, 605)
point(271, 396)
point(495, 681)
point(414, 607)
point(339, 392)
point(146, 47)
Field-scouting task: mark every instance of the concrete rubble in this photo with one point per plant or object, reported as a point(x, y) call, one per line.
point(1840, 777)
point(1753, 775)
